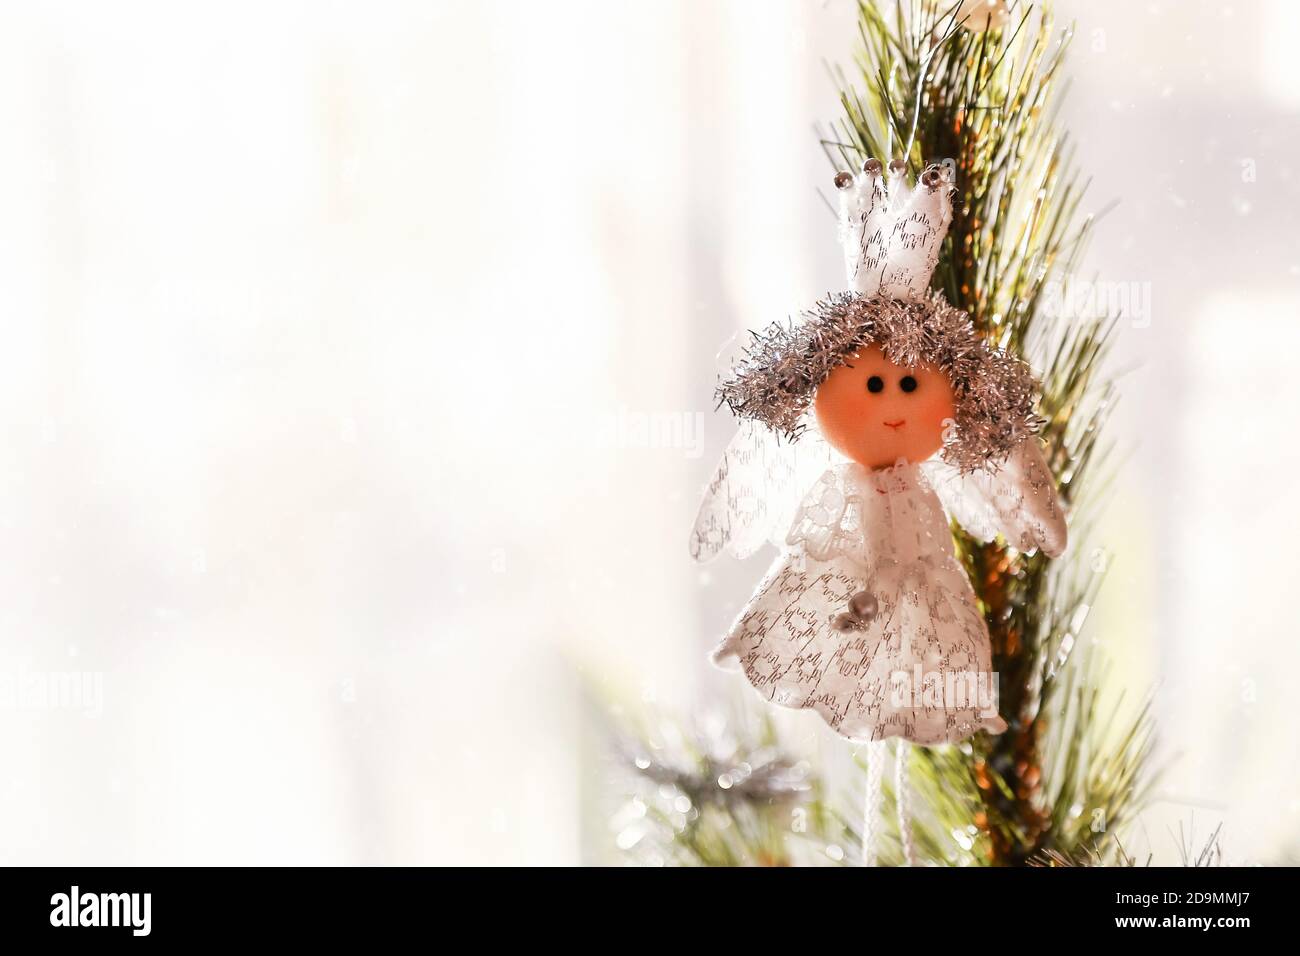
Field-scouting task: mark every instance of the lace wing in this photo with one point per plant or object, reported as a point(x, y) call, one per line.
point(828, 520)
point(1019, 500)
point(755, 491)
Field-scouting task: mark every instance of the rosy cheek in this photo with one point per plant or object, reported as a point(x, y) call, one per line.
point(938, 411)
point(932, 414)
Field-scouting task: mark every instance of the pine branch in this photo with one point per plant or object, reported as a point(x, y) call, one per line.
point(717, 792)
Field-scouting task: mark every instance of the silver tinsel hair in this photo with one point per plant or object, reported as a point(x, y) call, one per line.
point(994, 393)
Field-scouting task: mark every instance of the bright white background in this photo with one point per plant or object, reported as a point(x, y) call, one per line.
point(329, 333)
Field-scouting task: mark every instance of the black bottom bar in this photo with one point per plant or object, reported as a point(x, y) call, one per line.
point(613, 908)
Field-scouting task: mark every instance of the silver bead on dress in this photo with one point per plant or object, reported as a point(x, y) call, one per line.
point(864, 606)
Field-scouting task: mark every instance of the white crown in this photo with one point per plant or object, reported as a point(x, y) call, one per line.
point(891, 232)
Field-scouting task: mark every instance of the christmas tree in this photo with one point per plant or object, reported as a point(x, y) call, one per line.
point(973, 88)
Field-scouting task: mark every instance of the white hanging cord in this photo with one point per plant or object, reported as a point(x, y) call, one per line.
point(903, 798)
point(872, 802)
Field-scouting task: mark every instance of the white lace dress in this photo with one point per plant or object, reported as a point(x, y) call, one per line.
point(920, 668)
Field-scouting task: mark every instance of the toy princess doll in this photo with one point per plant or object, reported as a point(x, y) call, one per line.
point(865, 426)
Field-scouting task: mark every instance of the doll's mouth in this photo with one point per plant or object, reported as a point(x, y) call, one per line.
point(898, 424)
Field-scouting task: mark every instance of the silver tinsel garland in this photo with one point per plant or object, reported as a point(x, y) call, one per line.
point(994, 393)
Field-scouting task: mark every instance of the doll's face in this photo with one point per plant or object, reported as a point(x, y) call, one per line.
point(876, 412)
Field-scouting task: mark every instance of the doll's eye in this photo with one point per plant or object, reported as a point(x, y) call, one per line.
point(907, 384)
point(875, 384)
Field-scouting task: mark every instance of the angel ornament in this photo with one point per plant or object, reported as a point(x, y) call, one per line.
point(864, 427)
